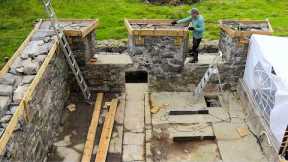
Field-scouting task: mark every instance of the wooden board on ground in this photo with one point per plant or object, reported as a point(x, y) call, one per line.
point(88, 149)
point(106, 132)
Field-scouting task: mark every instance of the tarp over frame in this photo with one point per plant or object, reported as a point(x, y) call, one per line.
point(266, 75)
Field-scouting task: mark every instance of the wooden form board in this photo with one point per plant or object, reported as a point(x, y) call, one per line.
point(154, 32)
point(242, 34)
point(79, 32)
point(22, 108)
point(89, 145)
point(106, 132)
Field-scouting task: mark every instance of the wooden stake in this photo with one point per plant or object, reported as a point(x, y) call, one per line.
point(88, 149)
point(106, 132)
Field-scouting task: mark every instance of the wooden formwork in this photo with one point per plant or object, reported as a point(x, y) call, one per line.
point(80, 32)
point(22, 110)
point(179, 33)
point(242, 35)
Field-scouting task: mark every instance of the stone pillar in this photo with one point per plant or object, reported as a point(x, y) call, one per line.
point(234, 55)
point(234, 43)
point(83, 48)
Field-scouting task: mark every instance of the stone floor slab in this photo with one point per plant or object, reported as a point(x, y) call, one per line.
point(133, 152)
point(133, 138)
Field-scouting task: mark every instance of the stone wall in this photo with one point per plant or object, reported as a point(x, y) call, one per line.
point(83, 48)
point(234, 56)
point(105, 77)
point(184, 81)
point(31, 142)
point(161, 57)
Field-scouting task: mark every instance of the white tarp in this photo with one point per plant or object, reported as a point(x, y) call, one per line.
point(266, 75)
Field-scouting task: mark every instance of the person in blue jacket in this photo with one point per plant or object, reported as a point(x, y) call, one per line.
point(198, 28)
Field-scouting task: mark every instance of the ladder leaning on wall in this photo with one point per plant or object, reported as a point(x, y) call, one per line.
point(66, 49)
point(212, 70)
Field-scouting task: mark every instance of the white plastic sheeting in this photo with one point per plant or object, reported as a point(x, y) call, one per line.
point(266, 76)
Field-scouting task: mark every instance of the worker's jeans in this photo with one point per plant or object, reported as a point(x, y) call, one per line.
point(195, 48)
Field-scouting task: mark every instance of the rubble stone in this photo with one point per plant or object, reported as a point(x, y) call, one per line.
point(42, 34)
point(5, 119)
point(1, 131)
point(16, 64)
point(27, 79)
point(19, 93)
point(30, 67)
point(6, 90)
point(40, 58)
point(4, 103)
point(8, 79)
point(13, 109)
point(111, 46)
point(35, 48)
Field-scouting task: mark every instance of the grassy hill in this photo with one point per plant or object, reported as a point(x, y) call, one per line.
point(17, 16)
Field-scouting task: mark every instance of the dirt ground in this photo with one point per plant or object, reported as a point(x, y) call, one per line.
point(71, 139)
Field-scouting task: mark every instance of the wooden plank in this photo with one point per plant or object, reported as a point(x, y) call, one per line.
point(159, 32)
point(22, 106)
point(79, 32)
point(6, 68)
point(235, 33)
point(153, 21)
point(106, 132)
point(154, 32)
point(89, 29)
point(128, 26)
point(88, 149)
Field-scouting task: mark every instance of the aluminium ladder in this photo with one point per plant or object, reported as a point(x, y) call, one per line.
point(212, 70)
point(66, 49)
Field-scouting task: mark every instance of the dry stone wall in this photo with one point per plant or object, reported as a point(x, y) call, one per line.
point(105, 77)
point(161, 57)
point(31, 142)
point(16, 81)
point(234, 56)
point(83, 48)
point(234, 44)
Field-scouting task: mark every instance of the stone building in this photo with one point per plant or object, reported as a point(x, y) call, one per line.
point(157, 117)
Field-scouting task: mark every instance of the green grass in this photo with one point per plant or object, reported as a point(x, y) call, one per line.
point(17, 16)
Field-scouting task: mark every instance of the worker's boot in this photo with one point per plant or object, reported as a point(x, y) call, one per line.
point(194, 60)
point(195, 57)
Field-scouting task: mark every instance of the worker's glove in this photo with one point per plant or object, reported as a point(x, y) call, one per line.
point(174, 22)
point(191, 28)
